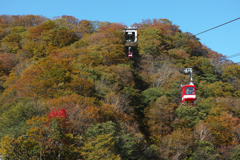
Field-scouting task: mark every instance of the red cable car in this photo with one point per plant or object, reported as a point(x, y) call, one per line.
point(189, 91)
point(130, 55)
point(188, 94)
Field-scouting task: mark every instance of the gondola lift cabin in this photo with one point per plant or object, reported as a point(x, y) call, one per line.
point(189, 91)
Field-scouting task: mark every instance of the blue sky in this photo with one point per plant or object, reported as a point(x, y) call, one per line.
point(192, 16)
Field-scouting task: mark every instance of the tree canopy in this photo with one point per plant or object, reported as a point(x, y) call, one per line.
point(69, 87)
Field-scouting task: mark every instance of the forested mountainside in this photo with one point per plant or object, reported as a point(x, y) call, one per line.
point(68, 91)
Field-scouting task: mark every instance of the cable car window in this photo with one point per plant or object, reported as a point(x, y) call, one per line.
point(189, 90)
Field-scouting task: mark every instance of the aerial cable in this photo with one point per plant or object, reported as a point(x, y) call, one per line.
point(205, 31)
point(234, 55)
point(218, 26)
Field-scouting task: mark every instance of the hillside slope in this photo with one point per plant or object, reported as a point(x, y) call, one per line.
point(70, 87)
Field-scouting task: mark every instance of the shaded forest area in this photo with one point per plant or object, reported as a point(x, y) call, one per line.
point(69, 87)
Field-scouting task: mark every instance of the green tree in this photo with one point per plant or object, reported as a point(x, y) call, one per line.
point(216, 89)
point(235, 153)
point(151, 42)
point(120, 140)
point(13, 120)
point(48, 136)
point(152, 94)
point(231, 72)
point(190, 113)
point(204, 150)
point(99, 148)
point(11, 42)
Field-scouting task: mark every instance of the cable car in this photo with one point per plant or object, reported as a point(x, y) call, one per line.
point(130, 55)
point(189, 91)
point(130, 36)
point(188, 94)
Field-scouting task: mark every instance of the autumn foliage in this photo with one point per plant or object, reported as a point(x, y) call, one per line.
point(57, 113)
point(69, 91)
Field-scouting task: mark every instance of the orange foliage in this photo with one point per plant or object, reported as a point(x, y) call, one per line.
point(23, 85)
point(178, 54)
point(112, 27)
point(223, 128)
point(26, 20)
point(35, 32)
point(111, 113)
point(68, 53)
point(53, 78)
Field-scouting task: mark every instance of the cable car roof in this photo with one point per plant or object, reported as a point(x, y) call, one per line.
point(188, 86)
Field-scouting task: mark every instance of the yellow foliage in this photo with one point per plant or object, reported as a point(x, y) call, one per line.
point(99, 148)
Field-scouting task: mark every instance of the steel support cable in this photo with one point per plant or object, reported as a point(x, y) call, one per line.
point(206, 30)
point(234, 55)
point(218, 26)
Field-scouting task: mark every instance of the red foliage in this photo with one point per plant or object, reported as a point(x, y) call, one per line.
point(58, 113)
